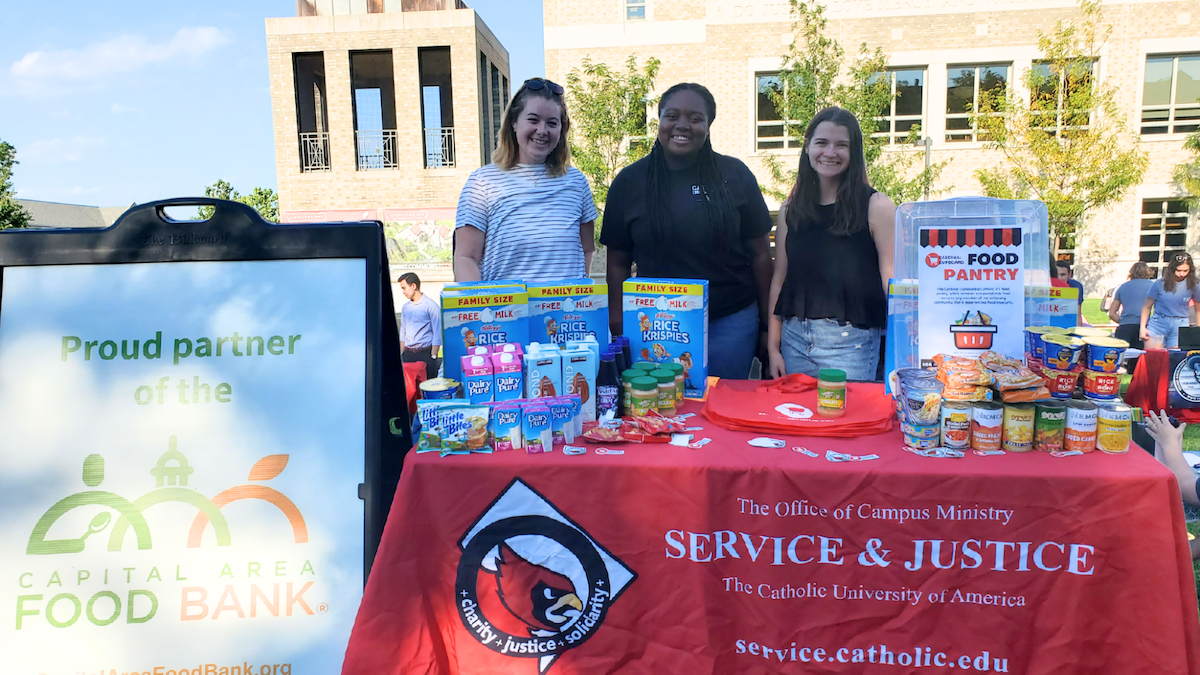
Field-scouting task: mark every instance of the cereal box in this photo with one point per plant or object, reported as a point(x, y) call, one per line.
point(571, 309)
point(478, 316)
point(666, 320)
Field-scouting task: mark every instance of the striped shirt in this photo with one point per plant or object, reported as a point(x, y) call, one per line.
point(530, 222)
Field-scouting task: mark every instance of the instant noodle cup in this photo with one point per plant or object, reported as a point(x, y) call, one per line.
point(1089, 331)
point(1033, 338)
point(1101, 386)
point(1062, 383)
point(1104, 354)
point(1061, 352)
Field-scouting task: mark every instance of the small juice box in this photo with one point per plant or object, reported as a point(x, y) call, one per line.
point(536, 430)
point(506, 428)
point(509, 377)
point(562, 422)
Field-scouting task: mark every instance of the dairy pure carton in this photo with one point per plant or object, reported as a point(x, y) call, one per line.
point(666, 321)
point(544, 374)
point(509, 376)
point(580, 366)
point(571, 309)
point(474, 316)
point(478, 382)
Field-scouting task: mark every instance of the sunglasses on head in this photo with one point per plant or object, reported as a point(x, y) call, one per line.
point(537, 83)
point(1183, 257)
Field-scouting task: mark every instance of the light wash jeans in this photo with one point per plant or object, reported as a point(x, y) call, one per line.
point(1166, 327)
point(809, 345)
point(732, 341)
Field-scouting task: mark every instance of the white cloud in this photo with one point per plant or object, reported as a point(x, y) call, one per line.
point(59, 150)
point(118, 108)
point(123, 54)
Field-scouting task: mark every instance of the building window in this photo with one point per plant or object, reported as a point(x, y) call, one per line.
point(1059, 98)
point(312, 111)
point(635, 10)
point(485, 125)
point(966, 87)
point(774, 131)
point(1171, 94)
point(373, 92)
point(437, 106)
point(497, 104)
point(1163, 232)
point(907, 110)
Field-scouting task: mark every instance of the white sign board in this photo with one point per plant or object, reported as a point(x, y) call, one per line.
point(180, 449)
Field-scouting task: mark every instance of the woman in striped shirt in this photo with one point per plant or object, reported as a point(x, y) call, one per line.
point(528, 215)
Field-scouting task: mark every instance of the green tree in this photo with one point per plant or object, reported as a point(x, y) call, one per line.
point(1187, 174)
point(263, 200)
point(1067, 144)
point(611, 126)
point(12, 214)
point(811, 79)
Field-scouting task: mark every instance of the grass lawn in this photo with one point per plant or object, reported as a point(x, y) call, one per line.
point(1093, 314)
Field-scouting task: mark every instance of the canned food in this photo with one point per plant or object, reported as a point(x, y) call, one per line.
point(956, 425)
point(1101, 386)
point(1104, 353)
point(987, 425)
point(1061, 383)
point(1080, 433)
point(1033, 338)
point(1061, 352)
point(1049, 426)
point(1113, 427)
point(1018, 427)
point(921, 443)
point(928, 431)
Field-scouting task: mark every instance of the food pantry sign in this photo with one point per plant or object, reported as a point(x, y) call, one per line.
point(181, 449)
point(972, 291)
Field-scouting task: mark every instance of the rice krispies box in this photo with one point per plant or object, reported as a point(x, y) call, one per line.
point(571, 309)
point(481, 315)
point(666, 321)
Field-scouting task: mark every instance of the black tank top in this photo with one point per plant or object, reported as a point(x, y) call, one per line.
point(832, 276)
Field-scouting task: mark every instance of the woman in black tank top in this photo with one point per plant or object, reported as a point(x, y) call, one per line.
point(833, 258)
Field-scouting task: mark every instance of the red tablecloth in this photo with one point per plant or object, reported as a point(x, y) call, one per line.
point(735, 559)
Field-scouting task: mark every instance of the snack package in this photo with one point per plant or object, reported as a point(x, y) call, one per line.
point(666, 320)
point(562, 421)
point(604, 435)
point(995, 360)
point(1018, 378)
point(453, 427)
point(566, 310)
point(1025, 395)
point(429, 413)
point(655, 423)
point(536, 429)
point(478, 381)
point(508, 375)
point(543, 373)
point(475, 315)
point(506, 428)
point(580, 367)
point(967, 393)
point(979, 378)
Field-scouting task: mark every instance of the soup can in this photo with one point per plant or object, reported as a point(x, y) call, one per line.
point(924, 432)
point(1061, 352)
point(1114, 423)
point(1049, 426)
point(1104, 353)
point(1081, 426)
point(987, 425)
point(922, 443)
point(1018, 427)
point(956, 425)
point(1061, 383)
point(1101, 386)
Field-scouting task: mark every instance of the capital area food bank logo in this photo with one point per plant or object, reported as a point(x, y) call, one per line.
point(532, 583)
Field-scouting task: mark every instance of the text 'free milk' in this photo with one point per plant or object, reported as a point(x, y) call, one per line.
point(666, 321)
point(571, 309)
point(481, 315)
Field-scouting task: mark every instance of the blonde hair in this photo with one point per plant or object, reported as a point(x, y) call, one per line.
point(508, 152)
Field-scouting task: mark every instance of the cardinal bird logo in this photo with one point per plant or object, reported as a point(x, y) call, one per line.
point(531, 582)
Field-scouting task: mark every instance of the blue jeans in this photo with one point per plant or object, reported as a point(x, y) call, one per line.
point(809, 345)
point(732, 341)
point(1166, 327)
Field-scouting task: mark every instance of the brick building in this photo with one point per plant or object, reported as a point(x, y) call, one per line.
point(381, 109)
point(941, 52)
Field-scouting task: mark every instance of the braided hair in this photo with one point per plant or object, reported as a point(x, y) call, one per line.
point(718, 205)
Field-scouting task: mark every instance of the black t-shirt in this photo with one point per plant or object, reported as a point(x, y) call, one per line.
point(696, 251)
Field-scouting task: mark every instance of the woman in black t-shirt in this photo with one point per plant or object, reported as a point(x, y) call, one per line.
point(686, 212)
point(833, 258)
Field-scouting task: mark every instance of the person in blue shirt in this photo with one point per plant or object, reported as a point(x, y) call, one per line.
point(420, 326)
point(1170, 297)
point(1126, 308)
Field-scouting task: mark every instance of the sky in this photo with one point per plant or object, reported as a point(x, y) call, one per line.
point(109, 104)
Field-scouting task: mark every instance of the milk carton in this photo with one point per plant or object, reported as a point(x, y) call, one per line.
point(570, 309)
point(480, 350)
point(508, 348)
point(580, 366)
point(475, 316)
point(544, 374)
point(509, 376)
point(562, 421)
point(536, 429)
point(506, 428)
point(478, 382)
point(666, 320)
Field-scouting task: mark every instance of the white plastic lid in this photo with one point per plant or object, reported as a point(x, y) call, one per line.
point(477, 360)
point(506, 357)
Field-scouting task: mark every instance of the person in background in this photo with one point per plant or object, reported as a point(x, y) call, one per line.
point(1170, 298)
point(1061, 276)
point(528, 215)
point(1168, 449)
point(833, 257)
point(685, 211)
point(1126, 307)
point(420, 326)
